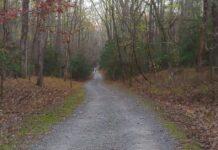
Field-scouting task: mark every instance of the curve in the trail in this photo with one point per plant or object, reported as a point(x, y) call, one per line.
point(110, 119)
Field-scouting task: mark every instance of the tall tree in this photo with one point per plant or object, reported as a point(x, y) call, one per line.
point(24, 36)
point(58, 40)
point(41, 41)
point(202, 48)
point(6, 27)
point(215, 30)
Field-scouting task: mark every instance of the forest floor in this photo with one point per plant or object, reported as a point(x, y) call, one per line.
point(29, 110)
point(188, 99)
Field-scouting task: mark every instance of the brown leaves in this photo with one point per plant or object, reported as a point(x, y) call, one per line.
point(48, 6)
point(187, 99)
point(22, 97)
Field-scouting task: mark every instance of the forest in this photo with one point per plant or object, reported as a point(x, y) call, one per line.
point(166, 50)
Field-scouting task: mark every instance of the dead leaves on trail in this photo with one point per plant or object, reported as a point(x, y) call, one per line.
point(22, 97)
point(189, 99)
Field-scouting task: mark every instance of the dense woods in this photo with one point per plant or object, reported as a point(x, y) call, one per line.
point(152, 45)
point(156, 35)
point(40, 40)
point(141, 35)
point(40, 37)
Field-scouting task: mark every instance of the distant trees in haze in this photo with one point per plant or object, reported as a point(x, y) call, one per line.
point(40, 37)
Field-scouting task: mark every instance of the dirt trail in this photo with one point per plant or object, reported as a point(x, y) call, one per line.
point(110, 119)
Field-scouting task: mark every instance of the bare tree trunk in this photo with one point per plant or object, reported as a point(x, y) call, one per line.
point(58, 34)
point(1, 86)
point(164, 35)
point(134, 40)
point(41, 42)
point(80, 22)
point(150, 38)
point(117, 39)
point(6, 38)
point(5, 26)
point(24, 36)
point(40, 63)
point(42, 45)
point(66, 62)
point(215, 31)
point(202, 49)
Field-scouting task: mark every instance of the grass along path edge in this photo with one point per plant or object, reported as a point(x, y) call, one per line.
point(173, 128)
point(39, 124)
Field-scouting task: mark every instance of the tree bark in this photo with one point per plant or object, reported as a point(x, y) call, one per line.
point(40, 62)
point(1, 86)
point(215, 31)
point(202, 48)
point(24, 36)
point(41, 41)
point(116, 36)
point(58, 40)
point(5, 26)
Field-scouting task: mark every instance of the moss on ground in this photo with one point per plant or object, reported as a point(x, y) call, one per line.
point(180, 135)
point(39, 124)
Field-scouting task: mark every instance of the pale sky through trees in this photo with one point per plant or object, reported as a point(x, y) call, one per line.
point(92, 14)
point(88, 2)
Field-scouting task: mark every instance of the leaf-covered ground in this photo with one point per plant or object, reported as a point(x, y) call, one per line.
point(189, 99)
point(23, 100)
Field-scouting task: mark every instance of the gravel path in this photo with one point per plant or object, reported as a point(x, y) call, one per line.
point(110, 119)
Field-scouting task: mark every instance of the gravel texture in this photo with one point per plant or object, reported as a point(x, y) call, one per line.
point(110, 119)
